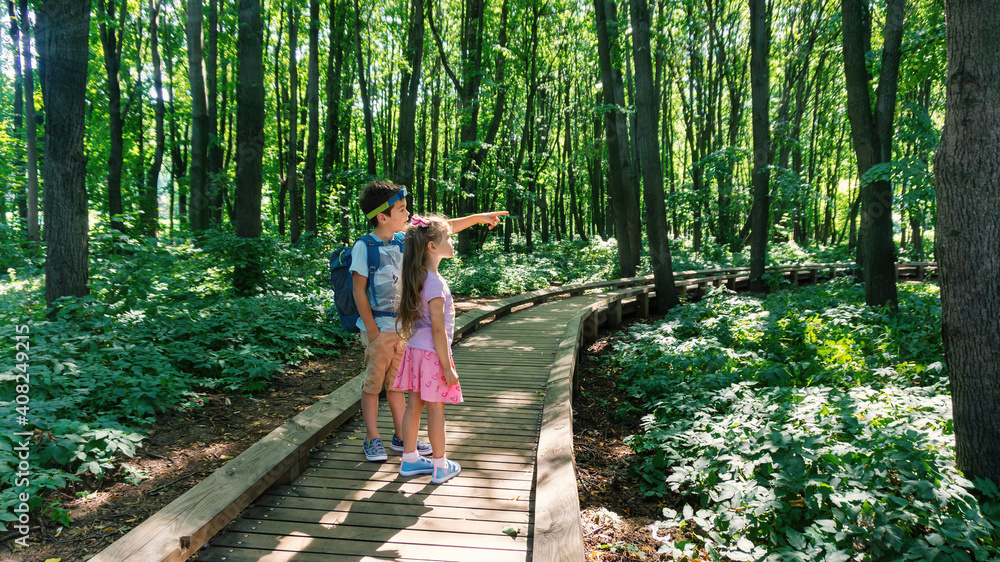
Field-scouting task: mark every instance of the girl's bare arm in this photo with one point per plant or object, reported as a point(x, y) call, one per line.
point(440, 334)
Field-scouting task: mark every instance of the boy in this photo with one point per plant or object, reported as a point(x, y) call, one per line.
point(384, 204)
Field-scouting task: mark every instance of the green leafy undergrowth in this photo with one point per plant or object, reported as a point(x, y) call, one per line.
point(160, 327)
point(805, 426)
point(493, 272)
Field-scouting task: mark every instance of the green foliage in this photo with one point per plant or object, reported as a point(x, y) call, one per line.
point(160, 327)
point(805, 426)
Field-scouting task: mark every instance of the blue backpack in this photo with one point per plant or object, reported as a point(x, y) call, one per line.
point(342, 280)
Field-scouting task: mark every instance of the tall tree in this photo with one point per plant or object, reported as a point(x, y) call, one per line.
point(150, 207)
point(760, 96)
point(31, 142)
point(649, 157)
point(967, 175)
point(198, 200)
point(622, 193)
point(20, 193)
point(366, 102)
point(468, 87)
point(250, 111)
point(406, 145)
point(112, 31)
point(872, 136)
point(63, 31)
point(312, 101)
point(216, 185)
point(291, 169)
point(334, 69)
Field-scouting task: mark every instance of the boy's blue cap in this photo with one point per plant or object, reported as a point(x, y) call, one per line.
point(384, 206)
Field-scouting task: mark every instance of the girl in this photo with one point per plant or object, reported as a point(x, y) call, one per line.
point(427, 319)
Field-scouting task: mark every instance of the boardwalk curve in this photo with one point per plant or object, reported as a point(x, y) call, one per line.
point(513, 436)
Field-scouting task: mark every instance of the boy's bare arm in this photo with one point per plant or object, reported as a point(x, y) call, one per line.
point(461, 223)
point(360, 286)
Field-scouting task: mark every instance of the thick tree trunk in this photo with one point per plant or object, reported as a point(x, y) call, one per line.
point(292, 186)
point(366, 102)
point(248, 275)
point(198, 200)
point(760, 94)
point(63, 31)
point(967, 177)
point(406, 145)
point(312, 100)
point(872, 136)
point(151, 211)
point(621, 193)
point(31, 143)
point(647, 140)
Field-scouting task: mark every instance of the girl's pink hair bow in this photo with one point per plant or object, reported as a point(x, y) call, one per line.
point(420, 221)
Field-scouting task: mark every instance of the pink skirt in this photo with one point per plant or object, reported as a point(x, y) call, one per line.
point(420, 370)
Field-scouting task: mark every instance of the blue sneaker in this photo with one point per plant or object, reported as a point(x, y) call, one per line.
point(375, 450)
point(445, 473)
point(420, 466)
point(422, 447)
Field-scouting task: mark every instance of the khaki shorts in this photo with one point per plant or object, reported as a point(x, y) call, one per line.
point(382, 358)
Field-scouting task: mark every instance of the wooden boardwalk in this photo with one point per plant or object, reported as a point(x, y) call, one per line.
point(311, 499)
point(344, 508)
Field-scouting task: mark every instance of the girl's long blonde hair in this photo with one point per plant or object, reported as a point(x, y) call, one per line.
point(413, 270)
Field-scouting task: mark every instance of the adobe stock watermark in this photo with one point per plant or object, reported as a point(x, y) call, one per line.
point(22, 439)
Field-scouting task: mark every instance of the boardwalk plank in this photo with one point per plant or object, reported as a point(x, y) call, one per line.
point(269, 506)
point(387, 549)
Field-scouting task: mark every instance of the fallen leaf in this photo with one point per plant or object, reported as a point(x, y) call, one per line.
point(512, 532)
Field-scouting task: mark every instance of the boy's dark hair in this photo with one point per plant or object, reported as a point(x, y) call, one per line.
point(374, 194)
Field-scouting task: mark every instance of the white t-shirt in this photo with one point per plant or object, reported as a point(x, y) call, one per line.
point(385, 281)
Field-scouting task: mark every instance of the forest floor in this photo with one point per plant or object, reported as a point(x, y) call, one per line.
point(184, 447)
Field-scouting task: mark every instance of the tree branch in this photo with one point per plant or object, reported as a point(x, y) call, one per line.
point(440, 46)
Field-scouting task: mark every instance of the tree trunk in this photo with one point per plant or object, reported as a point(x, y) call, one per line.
point(312, 100)
point(198, 200)
point(872, 136)
point(32, 127)
point(967, 177)
point(151, 211)
point(112, 38)
point(433, 175)
point(334, 89)
point(250, 112)
point(648, 144)
point(216, 185)
point(63, 31)
point(291, 168)
point(406, 145)
point(571, 142)
point(620, 193)
point(178, 160)
point(20, 193)
point(366, 102)
point(468, 88)
point(760, 94)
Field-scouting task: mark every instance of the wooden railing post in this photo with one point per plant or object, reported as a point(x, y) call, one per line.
point(615, 313)
point(642, 305)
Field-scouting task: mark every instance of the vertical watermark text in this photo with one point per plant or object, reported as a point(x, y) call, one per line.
point(22, 439)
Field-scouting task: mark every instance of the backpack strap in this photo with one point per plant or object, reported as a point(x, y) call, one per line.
point(374, 243)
